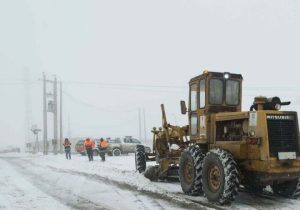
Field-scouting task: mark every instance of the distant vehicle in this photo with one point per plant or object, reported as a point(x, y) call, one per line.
point(79, 147)
point(124, 145)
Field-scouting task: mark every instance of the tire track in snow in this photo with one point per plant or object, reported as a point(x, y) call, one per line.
point(244, 200)
point(140, 199)
point(260, 202)
point(74, 201)
point(171, 198)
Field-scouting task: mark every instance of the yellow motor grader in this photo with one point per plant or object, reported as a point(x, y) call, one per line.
point(223, 148)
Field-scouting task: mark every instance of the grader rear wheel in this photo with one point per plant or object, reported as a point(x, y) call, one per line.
point(214, 178)
point(190, 170)
point(220, 177)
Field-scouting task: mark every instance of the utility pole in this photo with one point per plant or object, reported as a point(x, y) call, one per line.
point(44, 115)
point(55, 133)
point(145, 132)
point(140, 125)
point(50, 106)
point(60, 120)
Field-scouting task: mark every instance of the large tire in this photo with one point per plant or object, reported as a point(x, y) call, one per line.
point(116, 152)
point(290, 189)
point(140, 158)
point(220, 177)
point(190, 170)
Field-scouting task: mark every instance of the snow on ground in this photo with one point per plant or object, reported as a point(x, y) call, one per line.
point(18, 193)
point(79, 184)
point(70, 188)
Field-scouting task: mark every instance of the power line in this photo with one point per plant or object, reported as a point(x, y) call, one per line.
point(104, 109)
point(134, 86)
point(142, 89)
point(123, 85)
point(119, 124)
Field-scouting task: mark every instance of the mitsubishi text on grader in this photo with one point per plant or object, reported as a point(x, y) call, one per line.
point(223, 147)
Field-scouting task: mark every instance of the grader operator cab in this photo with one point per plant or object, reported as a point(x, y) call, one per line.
point(223, 147)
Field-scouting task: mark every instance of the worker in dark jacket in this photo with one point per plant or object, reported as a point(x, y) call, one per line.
point(89, 145)
point(67, 145)
point(103, 148)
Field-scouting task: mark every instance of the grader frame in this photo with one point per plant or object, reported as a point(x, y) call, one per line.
point(223, 147)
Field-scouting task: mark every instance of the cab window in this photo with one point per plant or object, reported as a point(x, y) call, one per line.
point(216, 91)
point(232, 92)
point(202, 93)
point(193, 97)
point(194, 125)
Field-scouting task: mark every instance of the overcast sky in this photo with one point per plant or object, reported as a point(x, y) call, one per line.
point(116, 56)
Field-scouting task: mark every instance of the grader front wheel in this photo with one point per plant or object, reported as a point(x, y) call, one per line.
point(140, 158)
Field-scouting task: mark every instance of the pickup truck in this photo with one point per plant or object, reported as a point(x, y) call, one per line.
point(125, 145)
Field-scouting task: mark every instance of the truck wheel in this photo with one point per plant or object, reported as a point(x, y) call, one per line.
point(220, 177)
point(140, 158)
point(116, 152)
point(290, 189)
point(190, 170)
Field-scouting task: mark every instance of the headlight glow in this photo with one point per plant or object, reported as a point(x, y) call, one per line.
point(226, 76)
point(252, 133)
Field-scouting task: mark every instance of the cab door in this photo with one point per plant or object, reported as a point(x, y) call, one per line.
point(202, 105)
point(197, 116)
point(193, 117)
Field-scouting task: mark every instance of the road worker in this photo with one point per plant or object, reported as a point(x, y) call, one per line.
point(102, 148)
point(67, 145)
point(89, 145)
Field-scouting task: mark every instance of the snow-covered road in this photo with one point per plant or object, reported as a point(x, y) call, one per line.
point(16, 192)
point(52, 182)
point(26, 185)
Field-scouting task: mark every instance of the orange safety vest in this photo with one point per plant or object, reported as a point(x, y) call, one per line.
point(104, 144)
point(89, 144)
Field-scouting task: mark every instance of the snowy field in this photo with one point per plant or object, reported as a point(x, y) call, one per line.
point(52, 182)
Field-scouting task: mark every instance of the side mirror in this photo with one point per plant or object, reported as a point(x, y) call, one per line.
point(183, 107)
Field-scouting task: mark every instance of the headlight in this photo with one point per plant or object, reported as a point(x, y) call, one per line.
point(252, 133)
point(277, 107)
